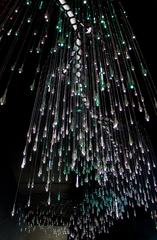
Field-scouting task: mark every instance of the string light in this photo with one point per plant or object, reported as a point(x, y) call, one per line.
point(85, 115)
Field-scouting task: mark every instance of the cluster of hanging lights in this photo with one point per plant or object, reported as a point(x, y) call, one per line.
point(89, 94)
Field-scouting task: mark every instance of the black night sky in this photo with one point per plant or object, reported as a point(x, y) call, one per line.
point(14, 121)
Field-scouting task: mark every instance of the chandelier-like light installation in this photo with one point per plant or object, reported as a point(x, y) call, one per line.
point(89, 82)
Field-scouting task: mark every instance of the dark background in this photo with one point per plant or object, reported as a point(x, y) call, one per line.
point(14, 121)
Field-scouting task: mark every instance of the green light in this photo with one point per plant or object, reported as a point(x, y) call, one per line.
point(101, 78)
point(41, 5)
point(59, 25)
point(97, 100)
point(59, 196)
point(17, 34)
point(78, 109)
point(131, 86)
